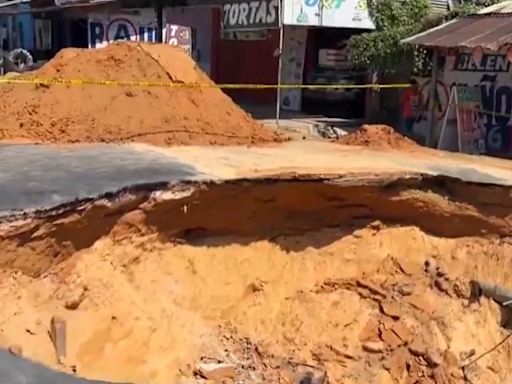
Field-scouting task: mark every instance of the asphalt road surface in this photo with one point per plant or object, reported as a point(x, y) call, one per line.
point(16, 370)
point(35, 176)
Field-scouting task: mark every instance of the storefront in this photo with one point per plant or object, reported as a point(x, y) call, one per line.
point(326, 28)
point(246, 47)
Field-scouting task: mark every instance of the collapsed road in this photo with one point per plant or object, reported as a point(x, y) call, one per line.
point(214, 251)
point(251, 273)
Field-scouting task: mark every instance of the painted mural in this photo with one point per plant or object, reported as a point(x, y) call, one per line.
point(494, 78)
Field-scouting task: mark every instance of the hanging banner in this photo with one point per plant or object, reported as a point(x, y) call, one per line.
point(469, 120)
point(104, 29)
point(294, 52)
point(328, 13)
point(463, 127)
point(250, 15)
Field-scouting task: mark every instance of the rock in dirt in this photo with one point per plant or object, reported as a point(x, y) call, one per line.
point(422, 303)
point(216, 371)
point(74, 298)
point(442, 284)
point(15, 350)
point(417, 347)
point(390, 338)
point(374, 346)
point(406, 289)
point(309, 375)
point(434, 357)
point(396, 364)
point(402, 331)
point(370, 331)
point(391, 308)
point(384, 377)
point(373, 288)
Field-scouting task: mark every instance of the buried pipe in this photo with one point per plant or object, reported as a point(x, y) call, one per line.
point(501, 295)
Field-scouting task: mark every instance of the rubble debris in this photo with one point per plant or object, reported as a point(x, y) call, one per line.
point(396, 364)
point(216, 371)
point(370, 332)
point(433, 357)
point(442, 284)
point(371, 287)
point(15, 350)
point(374, 346)
point(74, 298)
point(421, 303)
point(58, 336)
point(168, 314)
point(309, 375)
point(391, 308)
point(406, 289)
point(417, 347)
point(390, 338)
point(402, 331)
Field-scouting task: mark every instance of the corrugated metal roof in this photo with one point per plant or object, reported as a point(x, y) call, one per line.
point(490, 30)
point(502, 7)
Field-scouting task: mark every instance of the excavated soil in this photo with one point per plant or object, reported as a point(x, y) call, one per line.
point(378, 136)
point(197, 114)
point(357, 281)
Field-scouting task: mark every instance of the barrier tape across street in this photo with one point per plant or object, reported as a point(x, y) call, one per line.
point(120, 83)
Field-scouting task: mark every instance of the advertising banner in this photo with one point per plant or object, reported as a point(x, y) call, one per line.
point(179, 36)
point(328, 13)
point(469, 121)
point(463, 126)
point(104, 29)
point(294, 52)
point(250, 15)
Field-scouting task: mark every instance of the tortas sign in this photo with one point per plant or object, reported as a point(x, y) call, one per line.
point(250, 15)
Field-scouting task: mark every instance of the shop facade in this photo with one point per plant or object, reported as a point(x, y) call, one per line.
point(233, 41)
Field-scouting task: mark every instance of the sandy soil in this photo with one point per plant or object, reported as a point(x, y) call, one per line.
point(363, 283)
point(58, 113)
point(378, 136)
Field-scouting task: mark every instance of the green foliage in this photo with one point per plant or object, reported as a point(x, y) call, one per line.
point(395, 20)
point(469, 7)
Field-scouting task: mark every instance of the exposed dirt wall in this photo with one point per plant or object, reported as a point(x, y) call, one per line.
point(363, 280)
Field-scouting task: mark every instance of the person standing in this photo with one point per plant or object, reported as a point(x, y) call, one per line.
point(411, 104)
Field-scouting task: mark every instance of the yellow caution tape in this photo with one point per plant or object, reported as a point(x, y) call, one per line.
point(117, 83)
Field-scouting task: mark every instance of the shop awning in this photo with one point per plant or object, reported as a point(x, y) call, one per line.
point(490, 30)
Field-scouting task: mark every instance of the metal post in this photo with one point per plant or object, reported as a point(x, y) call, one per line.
point(280, 61)
point(159, 12)
point(432, 96)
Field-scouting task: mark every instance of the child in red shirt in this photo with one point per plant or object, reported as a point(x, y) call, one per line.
point(411, 104)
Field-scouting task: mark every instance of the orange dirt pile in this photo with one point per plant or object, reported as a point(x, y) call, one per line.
point(294, 279)
point(378, 136)
point(156, 115)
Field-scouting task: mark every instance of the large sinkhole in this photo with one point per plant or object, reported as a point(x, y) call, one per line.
point(345, 280)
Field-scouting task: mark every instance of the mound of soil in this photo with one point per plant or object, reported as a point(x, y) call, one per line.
point(157, 115)
point(278, 280)
point(378, 136)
